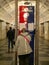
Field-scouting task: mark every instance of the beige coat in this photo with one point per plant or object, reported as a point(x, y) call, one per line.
point(22, 46)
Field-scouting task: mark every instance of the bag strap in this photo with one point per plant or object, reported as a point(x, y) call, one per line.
point(25, 38)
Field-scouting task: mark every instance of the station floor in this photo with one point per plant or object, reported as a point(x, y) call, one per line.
point(43, 52)
point(7, 58)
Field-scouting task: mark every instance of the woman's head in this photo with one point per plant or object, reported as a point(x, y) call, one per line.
point(24, 30)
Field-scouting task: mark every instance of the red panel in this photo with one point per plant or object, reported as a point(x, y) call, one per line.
point(21, 13)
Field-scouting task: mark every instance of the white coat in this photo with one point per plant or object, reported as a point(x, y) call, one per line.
point(22, 46)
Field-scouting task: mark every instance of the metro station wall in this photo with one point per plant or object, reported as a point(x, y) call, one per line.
point(2, 30)
point(41, 30)
point(7, 27)
point(46, 30)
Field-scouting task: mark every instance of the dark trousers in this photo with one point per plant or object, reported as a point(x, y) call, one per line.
point(31, 61)
point(24, 59)
point(10, 44)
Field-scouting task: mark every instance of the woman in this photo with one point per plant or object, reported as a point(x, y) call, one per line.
point(22, 47)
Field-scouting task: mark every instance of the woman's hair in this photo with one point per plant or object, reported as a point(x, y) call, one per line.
point(24, 30)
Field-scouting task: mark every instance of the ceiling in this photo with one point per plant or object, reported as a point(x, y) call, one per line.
point(44, 10)
point(7, 10)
